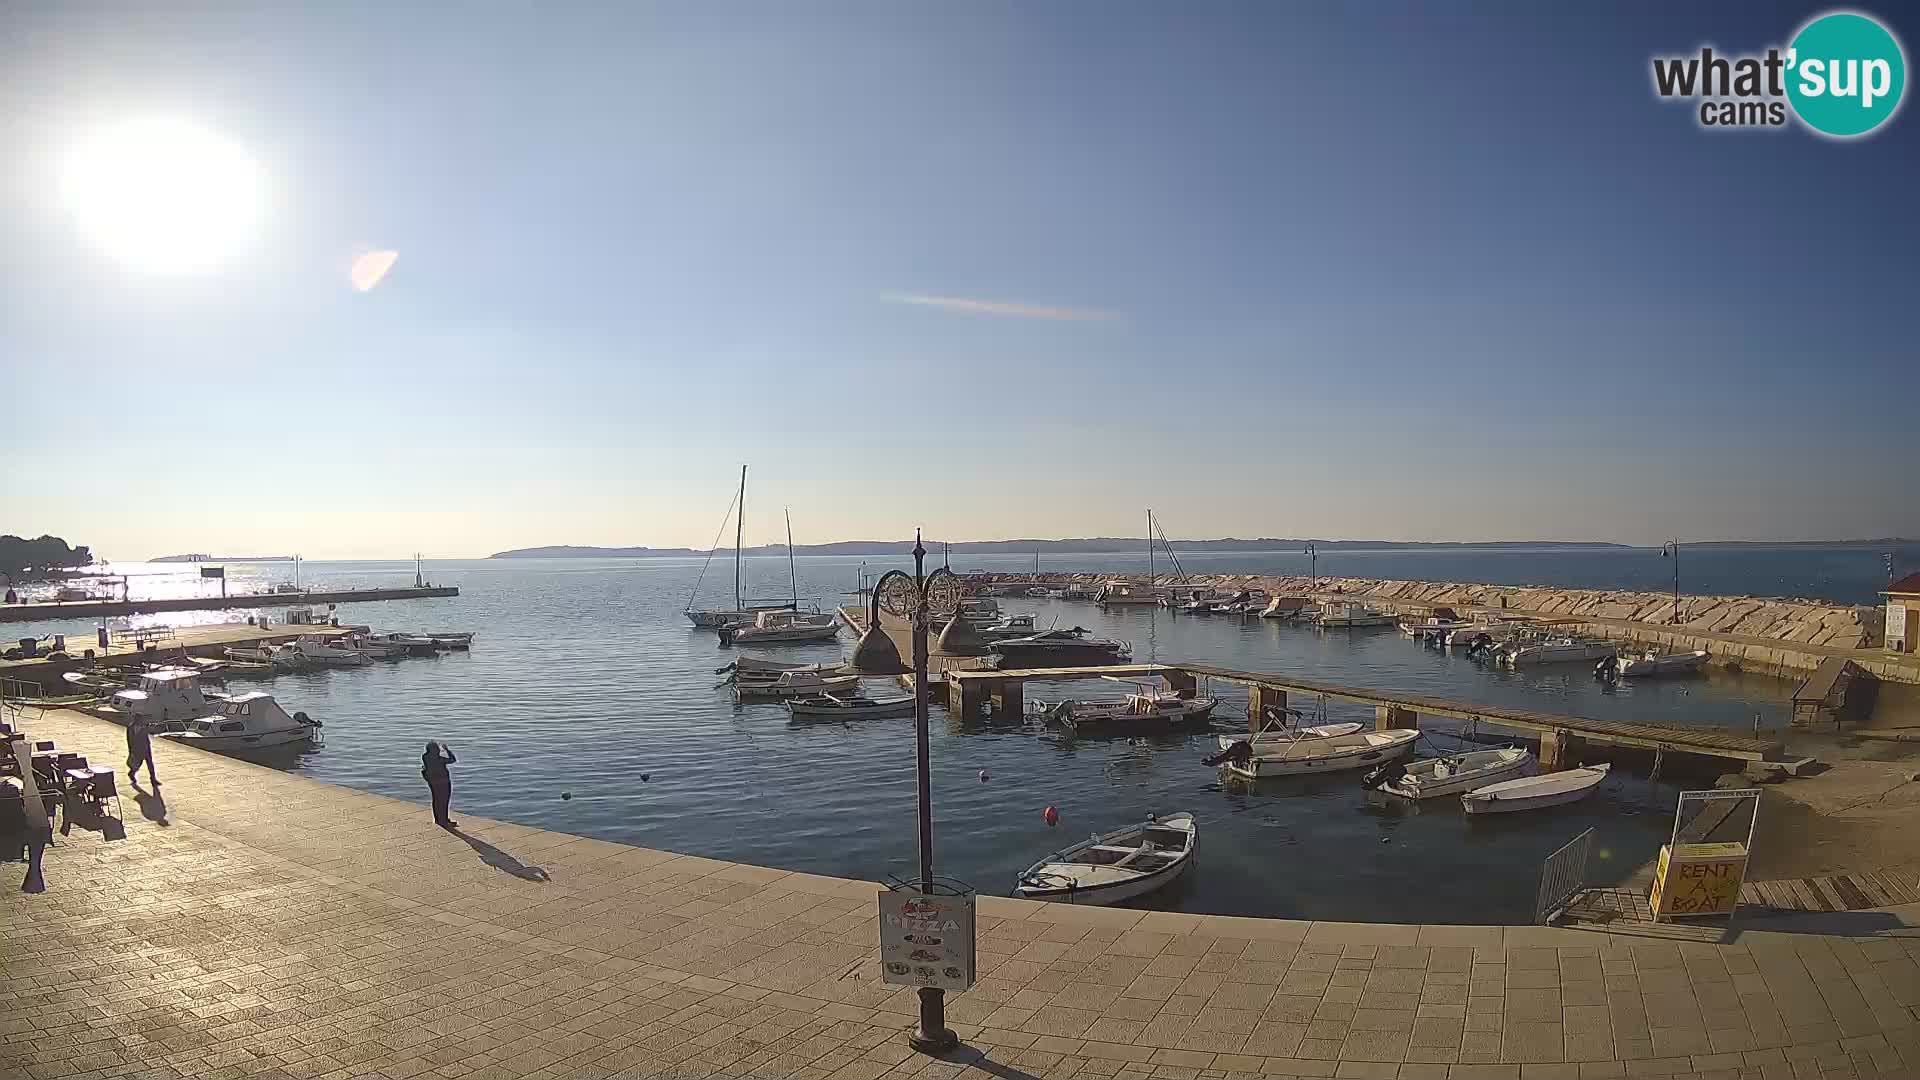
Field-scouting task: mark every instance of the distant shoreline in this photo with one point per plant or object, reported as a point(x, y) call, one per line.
point(1103, 545)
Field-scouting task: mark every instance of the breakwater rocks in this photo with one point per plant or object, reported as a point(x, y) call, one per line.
point(1784, 622)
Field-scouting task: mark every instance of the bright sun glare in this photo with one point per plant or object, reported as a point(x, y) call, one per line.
point(163, 194)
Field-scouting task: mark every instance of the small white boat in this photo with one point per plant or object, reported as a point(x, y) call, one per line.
point(1562, 650)
point(848, 707)
point(282, 657)
point(1037, 592)
point(1535, 792)
point(1011, 626)
point(1351, 615)
point(1434, 628)
point(1123, 593)
point(798, 684)
point(778, 627)
point(319, 652)
point(1360, 750)
point(1283, 736)
point(1117, 866)
point(714, 620)
point(452, 640)
point(247, 722)
point(232, 669)
point(374, 647)
point(1055, 594)
point(1452, 774)
point(1144, 711)
point(747, 669)
point(1652, 663)
point(1288, 607)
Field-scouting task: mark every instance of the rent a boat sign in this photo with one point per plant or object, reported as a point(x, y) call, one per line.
point(926, 940)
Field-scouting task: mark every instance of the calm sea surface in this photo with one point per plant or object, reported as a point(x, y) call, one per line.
point(586, 680)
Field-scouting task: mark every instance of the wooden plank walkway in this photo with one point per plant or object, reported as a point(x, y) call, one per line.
point(1851, 891)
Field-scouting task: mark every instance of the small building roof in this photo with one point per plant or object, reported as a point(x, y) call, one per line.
point(1906, 586)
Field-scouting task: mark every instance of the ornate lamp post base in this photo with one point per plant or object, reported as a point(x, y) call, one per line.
point(931, 1035)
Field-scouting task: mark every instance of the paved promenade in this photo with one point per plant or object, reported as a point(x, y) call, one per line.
point(261, 924)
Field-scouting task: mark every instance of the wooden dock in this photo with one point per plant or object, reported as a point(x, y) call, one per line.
point(53, 611)
point(1560, 736)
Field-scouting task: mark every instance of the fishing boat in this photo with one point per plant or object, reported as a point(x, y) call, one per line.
point(317, 651)
point(848, 707)
point(1061, 648)
point(249, 721)
point(1145, 711)
point(1282, 736)
point(1351, 615)
point(1559, 650)
point(1430, 778)
point(1117, 866)
point(1651, 663)
point(161, 696)
point(408, 644)
point(782, 627)
point(799, 684)
point(1358, 750)
point(1535, 792)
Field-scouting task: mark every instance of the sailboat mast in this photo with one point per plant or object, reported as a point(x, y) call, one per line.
point(1149, 550)
point(739, 525)
point(793, 579)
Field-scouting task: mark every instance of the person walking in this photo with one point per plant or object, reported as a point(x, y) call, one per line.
point(433, 767)
point(140, 749)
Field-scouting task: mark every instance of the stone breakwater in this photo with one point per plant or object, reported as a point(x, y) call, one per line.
point(1805, 622)
point(1787, 637)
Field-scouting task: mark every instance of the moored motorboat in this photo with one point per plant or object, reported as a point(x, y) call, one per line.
point(1282, 736)
point(452, 639)
point(317, 651)
point(249, 721)
point(233, 669)
point(1651, 663)
point(1358, 750)
point(1288, 607)
point(1060, 648)
point(1350, 615)
point(1451, 774)
point(848, 707)
point(1559, 650)
point(1536, 792)
point(1146, 711)
point(1116, 866)
point(1010, 626)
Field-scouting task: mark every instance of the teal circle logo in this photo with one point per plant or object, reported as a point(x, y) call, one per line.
point(1845, 74)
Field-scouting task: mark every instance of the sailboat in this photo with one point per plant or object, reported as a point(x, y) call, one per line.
point(786, 623)
point(741, 612)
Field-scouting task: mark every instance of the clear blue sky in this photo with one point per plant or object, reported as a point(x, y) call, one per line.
point(1373, 271)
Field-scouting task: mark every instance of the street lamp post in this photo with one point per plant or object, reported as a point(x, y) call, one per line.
point(1312, 552)
point(918, 597)
point(1671, 550)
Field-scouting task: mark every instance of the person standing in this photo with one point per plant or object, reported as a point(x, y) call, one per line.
point(433, 767)
point(140, 749)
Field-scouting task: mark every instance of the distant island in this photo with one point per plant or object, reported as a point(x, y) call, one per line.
point(1091, 545)
point(1096, 545)
point(221, 558)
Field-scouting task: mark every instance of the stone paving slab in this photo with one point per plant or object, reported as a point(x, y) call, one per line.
point(262, 924)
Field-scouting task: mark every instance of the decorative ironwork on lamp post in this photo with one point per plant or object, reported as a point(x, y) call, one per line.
point(918, 597)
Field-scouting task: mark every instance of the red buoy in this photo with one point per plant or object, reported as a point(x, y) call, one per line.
point(1052, 816)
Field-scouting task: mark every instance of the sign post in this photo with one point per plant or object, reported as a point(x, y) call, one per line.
point(1704, 863)
point(926, 939)
point(216, 572)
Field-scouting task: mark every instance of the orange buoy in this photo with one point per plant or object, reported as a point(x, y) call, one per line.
point(1052, 816)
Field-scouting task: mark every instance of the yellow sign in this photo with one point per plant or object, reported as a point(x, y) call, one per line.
point(1698, 879)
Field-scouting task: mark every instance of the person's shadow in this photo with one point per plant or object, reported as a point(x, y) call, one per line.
point(153, 806)
point(500, 860)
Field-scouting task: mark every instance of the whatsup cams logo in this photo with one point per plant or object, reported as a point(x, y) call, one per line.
point(1842, 76)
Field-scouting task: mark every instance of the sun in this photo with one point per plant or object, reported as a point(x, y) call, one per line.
point(163, 194)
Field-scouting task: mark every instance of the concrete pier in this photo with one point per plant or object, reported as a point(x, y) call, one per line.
point(256, 923)
point(54, 611)
point(204, 641)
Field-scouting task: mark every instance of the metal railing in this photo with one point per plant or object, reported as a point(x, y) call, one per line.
point(1562, 877)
